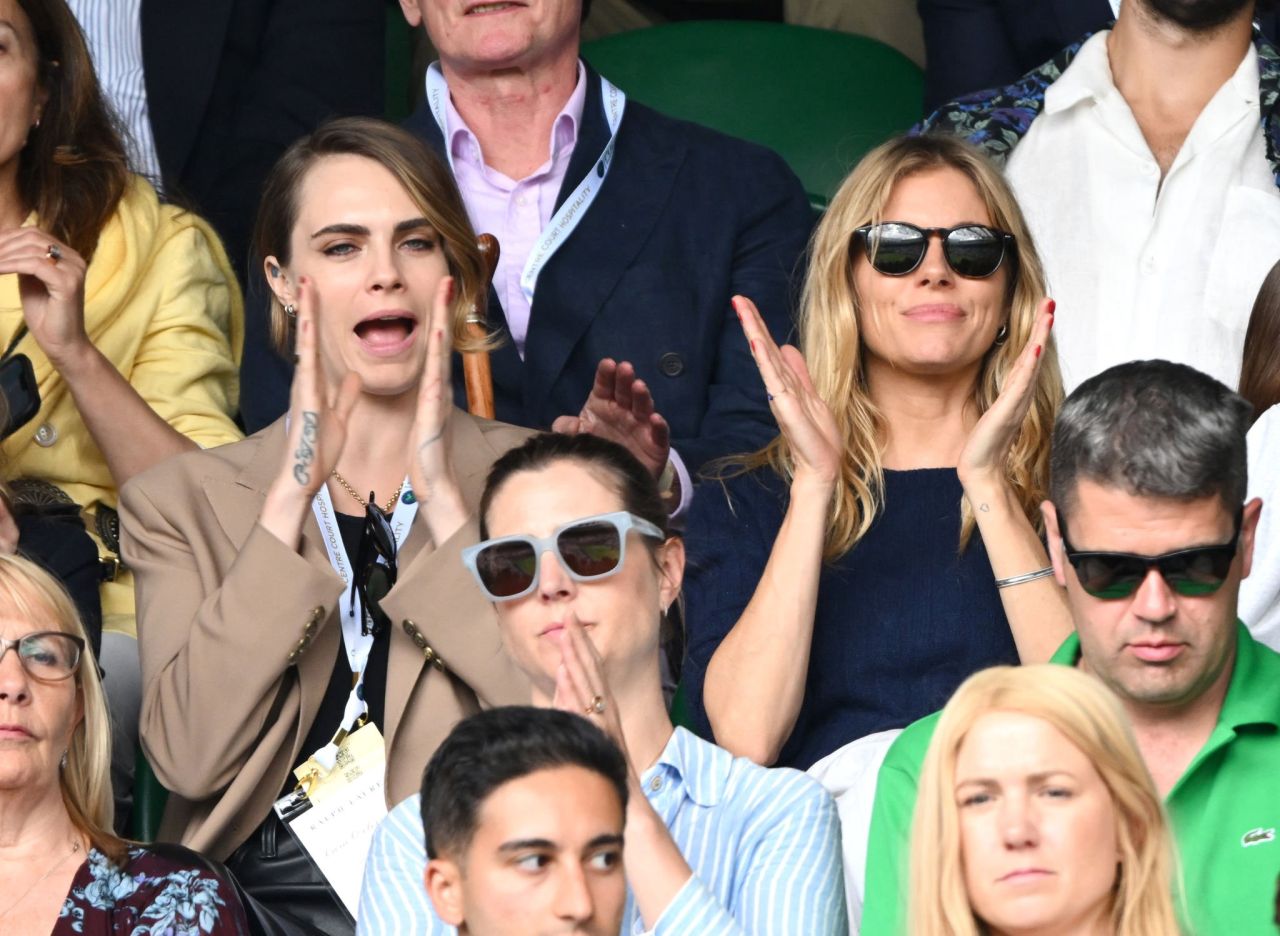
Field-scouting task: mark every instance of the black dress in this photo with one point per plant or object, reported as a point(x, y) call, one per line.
point(902, 618)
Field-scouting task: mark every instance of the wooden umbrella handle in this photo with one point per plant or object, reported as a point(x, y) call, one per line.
point(475, 364)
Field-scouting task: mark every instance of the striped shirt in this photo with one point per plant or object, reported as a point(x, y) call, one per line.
point(764, 846)
point(113, 29)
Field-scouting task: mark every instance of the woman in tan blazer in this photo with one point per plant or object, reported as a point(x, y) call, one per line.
point(249, 635)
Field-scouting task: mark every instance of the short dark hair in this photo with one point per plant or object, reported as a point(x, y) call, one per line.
point(1153, 429)
point(634, 484)
point(497, 746)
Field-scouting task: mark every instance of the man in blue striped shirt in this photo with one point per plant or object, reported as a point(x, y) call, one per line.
point(526, 808)
point(764, 846)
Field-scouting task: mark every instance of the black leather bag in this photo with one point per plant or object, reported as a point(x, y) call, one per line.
point(283, 892)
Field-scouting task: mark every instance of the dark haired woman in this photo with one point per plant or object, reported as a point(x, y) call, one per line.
point(127, 308)
point(1260, 385)
point(265, 631)
point(582, 569)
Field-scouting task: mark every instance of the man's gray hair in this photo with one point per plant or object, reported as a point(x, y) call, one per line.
point(1152, 429)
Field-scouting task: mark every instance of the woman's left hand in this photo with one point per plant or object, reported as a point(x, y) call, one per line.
point(52, 291)
point(983, 457)
point(430, 467)
point(580, 682)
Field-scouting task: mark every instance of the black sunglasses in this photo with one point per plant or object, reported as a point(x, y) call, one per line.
point(1193, 572)
point(895, 248)
point(375, 567)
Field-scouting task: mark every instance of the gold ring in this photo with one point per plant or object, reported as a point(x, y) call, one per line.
point(54, 253)
point(596, 707)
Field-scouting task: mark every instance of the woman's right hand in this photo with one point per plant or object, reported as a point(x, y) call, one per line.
point(318, 416)
point(804, 418)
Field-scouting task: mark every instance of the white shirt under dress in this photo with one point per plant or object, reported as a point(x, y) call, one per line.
point(1141, 268)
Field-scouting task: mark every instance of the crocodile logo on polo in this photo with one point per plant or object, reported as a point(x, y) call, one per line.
point(1257, 836)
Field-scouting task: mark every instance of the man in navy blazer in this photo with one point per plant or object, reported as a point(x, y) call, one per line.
point(684, 219)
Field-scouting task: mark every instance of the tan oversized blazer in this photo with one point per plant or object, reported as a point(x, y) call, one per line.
point(238, 634)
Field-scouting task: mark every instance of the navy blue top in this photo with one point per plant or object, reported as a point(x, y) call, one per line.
point(901, 619)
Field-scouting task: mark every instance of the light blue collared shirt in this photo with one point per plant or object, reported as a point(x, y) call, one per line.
point(764, 846)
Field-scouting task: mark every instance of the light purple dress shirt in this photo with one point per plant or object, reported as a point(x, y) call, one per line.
point(515, 212)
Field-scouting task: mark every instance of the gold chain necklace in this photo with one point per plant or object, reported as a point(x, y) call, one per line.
point(75, 849)
point(391, 504)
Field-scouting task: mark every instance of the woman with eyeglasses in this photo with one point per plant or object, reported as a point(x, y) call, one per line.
point(1037, 816)
point(577, 557)
point(62, 870)
point(306, 583)
point(845, 579)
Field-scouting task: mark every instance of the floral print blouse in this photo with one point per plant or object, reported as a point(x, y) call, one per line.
point(161, 891)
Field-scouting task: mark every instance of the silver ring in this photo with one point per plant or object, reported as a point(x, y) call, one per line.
point(54, 253)
point(596, 707)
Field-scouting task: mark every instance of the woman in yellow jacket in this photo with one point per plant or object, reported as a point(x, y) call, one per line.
point(126, 307)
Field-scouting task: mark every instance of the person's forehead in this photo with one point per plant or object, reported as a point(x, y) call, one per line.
point(567, 806)
point(1107, 518)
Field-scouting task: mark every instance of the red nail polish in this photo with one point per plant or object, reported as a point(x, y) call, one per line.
point(1038, 350)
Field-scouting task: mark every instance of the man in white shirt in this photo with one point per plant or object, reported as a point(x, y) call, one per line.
point(1146, 162)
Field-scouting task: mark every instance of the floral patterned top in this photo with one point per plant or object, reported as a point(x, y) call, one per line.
point(161, 891)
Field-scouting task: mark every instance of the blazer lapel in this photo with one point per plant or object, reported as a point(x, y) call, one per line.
point(578, 280)
point(236, 505)
point(182, 44)
point(453, 633)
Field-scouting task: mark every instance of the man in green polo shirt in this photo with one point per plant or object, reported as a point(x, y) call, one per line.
point(1150, 536)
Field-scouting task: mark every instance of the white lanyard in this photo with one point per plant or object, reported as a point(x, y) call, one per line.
point(351, 611)
point(575, 206)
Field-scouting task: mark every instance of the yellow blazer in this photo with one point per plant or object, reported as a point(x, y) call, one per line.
point(162, 304)
point(238, 634)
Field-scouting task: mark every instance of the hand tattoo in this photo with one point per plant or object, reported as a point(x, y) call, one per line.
point(306, 452)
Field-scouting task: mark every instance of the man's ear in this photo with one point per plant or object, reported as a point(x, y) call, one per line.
point(443, 880)
point(412, 12)
point(1054, 538)
point(1248, 534)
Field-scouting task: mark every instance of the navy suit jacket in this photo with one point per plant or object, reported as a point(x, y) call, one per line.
point(685, 219)
point(231, 83)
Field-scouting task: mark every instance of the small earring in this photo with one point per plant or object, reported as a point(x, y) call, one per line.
point(290, 309)
point(63, 763)
point(1002, 335)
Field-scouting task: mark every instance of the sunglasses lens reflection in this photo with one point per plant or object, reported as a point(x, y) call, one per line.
point(507, 569)
point(590, 549)
point(974, 251)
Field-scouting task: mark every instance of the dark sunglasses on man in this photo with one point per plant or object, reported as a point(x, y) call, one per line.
point(896, 248)
point(375, 567)
point(1193, 572)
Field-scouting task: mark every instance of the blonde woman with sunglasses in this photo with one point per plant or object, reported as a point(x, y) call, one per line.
point(885, 545)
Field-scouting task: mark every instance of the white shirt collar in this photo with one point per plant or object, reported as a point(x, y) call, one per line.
point(1088, 77)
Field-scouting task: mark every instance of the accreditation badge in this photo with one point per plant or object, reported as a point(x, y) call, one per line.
point(333, 812)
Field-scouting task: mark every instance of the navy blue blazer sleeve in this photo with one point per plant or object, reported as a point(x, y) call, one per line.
point(772, 224)
point(728, 540)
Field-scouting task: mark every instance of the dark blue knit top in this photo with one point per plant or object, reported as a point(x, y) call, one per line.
point(901, 619)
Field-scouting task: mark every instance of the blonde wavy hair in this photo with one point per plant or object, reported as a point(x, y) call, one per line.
point(29, 593)
point(831, 339)
point(1093, 720)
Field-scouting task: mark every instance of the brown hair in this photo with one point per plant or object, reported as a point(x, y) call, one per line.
point(1260, 371)
point(74, 170)
point(29, 593)
point(832, 343)
point(427, 180)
